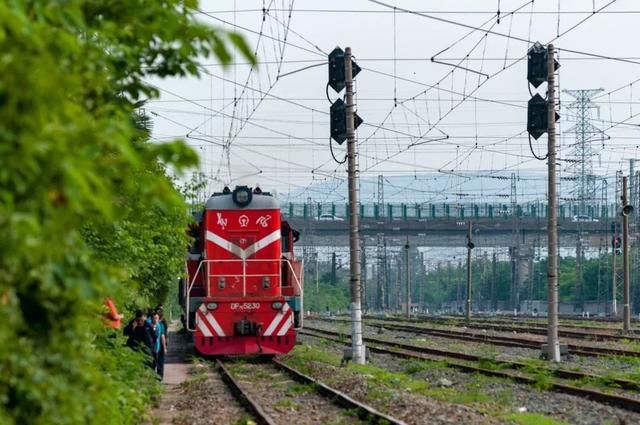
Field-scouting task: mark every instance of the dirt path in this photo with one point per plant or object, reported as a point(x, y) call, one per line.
point(176, 372)
point(193, 393)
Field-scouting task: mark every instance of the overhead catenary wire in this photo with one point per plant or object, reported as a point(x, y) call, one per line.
point(406, 120)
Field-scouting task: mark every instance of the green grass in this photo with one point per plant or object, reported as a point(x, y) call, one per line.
point(297, 389)
point(533, 419)
point(303, 355)
point(194, 380)
point(630, 345)
point(412, 367)
point(245, 420)
point(543, 376)
point(287, 404)
point(383, 384)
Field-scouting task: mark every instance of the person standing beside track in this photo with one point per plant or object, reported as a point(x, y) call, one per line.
point(140, 335)
point(160, 347)
point(160, 311)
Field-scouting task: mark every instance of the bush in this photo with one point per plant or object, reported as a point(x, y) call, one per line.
point(86, 209)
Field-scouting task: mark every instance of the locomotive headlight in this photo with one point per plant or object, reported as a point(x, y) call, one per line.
point(241, 196)
point(277, 305)
point(212, 306)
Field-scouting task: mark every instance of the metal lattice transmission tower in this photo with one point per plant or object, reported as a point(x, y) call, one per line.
point(514, 195)
point(582, 165)
point(616, 259)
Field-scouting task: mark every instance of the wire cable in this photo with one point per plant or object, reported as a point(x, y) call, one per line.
point(332, 154)
point(534, 154)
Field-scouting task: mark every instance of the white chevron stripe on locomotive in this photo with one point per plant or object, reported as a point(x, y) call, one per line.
point(286, 325)
point(276, 320)
point(247, 252)
point(206, 322)
point(202, 327)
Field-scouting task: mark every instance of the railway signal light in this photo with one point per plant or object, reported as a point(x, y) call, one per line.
point(537, 122)
point(537, 64)
point(537, 118)
point(626, 210)
point(538, 107)
point(338, 117)
point(336, 69)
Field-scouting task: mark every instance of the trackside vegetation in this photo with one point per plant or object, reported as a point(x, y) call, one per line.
point(86, 208)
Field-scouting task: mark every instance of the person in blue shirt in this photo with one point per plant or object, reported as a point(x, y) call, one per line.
point(160, 343)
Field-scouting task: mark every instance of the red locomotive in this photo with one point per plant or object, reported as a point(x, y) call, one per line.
point(243, 294)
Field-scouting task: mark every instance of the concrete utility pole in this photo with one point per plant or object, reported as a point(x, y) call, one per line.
point(469, 248)
point(632, 183)
point(579, 287)
point(408, 273)
point(398, 287)
point(553, 344)
point(334, 269)
point(357, 353)
point(494, 276)
point(614, 274)
point(626, 210)
point(365, 285)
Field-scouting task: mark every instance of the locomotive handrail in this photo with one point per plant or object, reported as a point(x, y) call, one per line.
point(187, 305)
point(297, 280)
point(244, 273)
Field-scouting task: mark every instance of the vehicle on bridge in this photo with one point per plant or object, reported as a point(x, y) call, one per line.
point(243, 292)
point(584, 219)
point(329, 217)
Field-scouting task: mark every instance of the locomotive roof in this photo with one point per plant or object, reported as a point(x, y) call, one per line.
point(258, 202)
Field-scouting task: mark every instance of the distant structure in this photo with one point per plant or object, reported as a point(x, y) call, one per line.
point(582, 165)
point(381, 251)
point(582, 169)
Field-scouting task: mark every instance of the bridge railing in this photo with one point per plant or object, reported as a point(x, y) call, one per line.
point(455, 211)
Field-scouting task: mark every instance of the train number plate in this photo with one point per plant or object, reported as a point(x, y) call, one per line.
point(245, 306)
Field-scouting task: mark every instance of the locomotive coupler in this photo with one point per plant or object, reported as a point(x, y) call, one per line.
point(246, 327)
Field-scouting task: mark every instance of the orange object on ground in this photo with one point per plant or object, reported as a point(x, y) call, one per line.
point(112, 318)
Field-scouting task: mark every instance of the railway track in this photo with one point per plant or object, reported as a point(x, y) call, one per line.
point(506, 341)
point(562, 317)
point(579, 332)
point(328, 403)
point(465, 363)
point(509, 341)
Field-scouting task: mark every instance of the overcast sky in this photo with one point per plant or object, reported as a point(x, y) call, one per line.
point(421, 117)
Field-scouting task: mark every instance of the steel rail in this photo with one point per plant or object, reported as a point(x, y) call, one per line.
point(243, 397)
point(535, 328)
point(365, 412)
point(506, 341)
point(417, 352)
point(580, 350)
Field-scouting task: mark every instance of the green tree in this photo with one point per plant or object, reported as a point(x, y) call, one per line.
point(84, 202)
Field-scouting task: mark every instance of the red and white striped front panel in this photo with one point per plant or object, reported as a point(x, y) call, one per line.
point(207, 323)
point(281, 323)
point(209, 326)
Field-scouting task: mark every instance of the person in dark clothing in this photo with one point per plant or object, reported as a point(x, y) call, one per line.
point(140, 334)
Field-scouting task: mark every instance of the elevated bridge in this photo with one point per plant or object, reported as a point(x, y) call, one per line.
point(442, 232)
point(444, 225)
